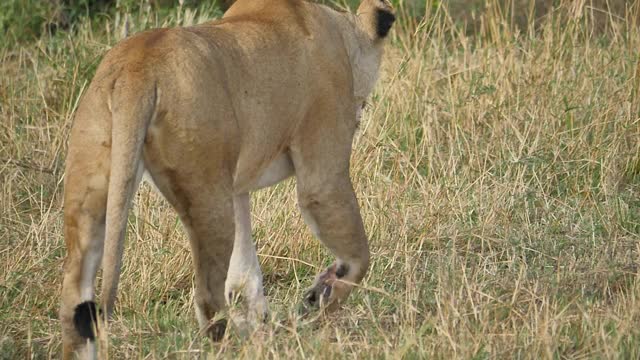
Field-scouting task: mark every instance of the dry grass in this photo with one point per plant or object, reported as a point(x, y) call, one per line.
point(498, 176)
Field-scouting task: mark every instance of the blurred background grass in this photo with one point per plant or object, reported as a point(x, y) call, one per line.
point(27, 20)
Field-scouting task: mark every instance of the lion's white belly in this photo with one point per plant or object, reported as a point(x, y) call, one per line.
point(279, 169)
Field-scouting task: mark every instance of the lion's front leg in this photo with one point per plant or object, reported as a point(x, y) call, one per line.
point(244, 277)
point(334, 217)
point(329, 207)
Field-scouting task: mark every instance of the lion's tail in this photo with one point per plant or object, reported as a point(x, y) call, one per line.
point(132, 112)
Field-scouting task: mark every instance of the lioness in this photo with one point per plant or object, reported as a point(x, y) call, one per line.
point(210, 113)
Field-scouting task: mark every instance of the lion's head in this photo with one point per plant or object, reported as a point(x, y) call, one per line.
point(372, 21)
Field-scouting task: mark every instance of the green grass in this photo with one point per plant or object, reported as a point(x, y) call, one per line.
point(498, 171)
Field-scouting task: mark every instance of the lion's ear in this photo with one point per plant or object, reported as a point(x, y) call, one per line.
point(376, 17)
point(384, 21)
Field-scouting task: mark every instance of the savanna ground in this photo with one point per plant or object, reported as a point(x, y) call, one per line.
point(497, 167)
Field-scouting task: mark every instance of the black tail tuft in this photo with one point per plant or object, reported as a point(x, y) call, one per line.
point(384, 21)
point(85, 319)
point(217, 329)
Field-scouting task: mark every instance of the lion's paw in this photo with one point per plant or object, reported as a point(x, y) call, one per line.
point(327, 291)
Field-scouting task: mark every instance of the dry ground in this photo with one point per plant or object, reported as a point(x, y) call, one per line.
point(498, 174)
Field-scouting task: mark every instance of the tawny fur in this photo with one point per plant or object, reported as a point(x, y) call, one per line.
point(213, 112)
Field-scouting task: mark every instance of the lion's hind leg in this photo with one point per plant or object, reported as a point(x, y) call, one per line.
point(211, 232)
point(204, 202)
